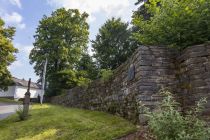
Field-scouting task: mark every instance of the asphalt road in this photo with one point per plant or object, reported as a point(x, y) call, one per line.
point(7, 109)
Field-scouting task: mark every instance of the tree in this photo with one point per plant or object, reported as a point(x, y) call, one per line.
point(87, 64)
point(60, 81)
point(113, 44)
point(174, 23)
point(142, 10)
point(66, 79)
point(7, 56)
point(62, 38)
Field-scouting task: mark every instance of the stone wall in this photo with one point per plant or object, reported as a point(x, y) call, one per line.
point(193, 75)
point(141, 77)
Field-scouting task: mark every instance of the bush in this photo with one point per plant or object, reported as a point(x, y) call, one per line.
point(66, 79)
point(168, 123)
point(82, 79)
point(106, 75)
point(21, 115)
point(83, 82)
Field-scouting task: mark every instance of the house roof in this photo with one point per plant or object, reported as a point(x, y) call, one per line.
point(24, 83)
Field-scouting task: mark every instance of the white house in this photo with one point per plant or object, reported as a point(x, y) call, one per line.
point(19, 88)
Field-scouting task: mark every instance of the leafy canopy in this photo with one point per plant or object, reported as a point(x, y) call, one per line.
point(7, 56)
point(113, 44)
point(62, 38)
point(87, 64)
point(178, 23)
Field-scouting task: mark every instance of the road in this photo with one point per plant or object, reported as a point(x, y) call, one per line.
point(7, 109)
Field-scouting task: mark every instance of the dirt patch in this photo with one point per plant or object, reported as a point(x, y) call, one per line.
point(141, 134)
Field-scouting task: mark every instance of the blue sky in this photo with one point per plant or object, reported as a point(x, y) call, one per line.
point(25, 16)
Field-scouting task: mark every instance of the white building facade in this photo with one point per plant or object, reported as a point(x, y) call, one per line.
point(19, 88)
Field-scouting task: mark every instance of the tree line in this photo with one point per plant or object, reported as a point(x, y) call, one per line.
point(63, 39)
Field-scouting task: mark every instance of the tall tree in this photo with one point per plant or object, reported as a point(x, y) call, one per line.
point(177, 23)
point(113, 44)
point(62, 38)
point(7, 56)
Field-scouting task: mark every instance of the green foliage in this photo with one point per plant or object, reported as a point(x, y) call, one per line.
point(176, 23)
point(62, 38)
point(21, 114)
point(168, 123)
point(66, 79)
point(113, 44)
point(5, 100)
point(142, 10)
point(87, 64)
point(106, 75)
point(83, 79)
point(6, 54)
point(139, 1)
point(83, 82)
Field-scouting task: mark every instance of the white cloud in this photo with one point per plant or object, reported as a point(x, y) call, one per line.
point(26, 49)
point(15, 65)
point(119, 8)
point(21, 25)
point(13, 19)
point(21, 57)
point(16, 3)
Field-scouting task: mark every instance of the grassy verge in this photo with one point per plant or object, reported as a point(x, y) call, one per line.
point(6, 100)
point(49, 122)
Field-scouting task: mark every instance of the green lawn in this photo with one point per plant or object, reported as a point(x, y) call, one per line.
point(49, 122)
point(6, 100)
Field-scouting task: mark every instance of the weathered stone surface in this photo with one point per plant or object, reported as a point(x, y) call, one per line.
point(187, 75)
point(193, 79)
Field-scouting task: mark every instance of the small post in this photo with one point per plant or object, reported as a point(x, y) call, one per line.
point(26, 101)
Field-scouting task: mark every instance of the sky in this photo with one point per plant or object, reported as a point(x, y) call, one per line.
point(26, 14)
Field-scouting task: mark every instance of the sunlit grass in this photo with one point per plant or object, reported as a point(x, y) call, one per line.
point(49, 122)
point(47, 134)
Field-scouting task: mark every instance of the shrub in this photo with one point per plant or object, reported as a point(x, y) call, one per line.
point(82, 78)
point(21, 114)
point(106, 75)
point(66, 79)
point(168, 123)
point(83, 82)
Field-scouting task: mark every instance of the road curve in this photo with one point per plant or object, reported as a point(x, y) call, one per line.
point(7, 109)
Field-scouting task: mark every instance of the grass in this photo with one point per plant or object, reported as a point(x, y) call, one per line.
point(6, 100)
point(49, 122)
